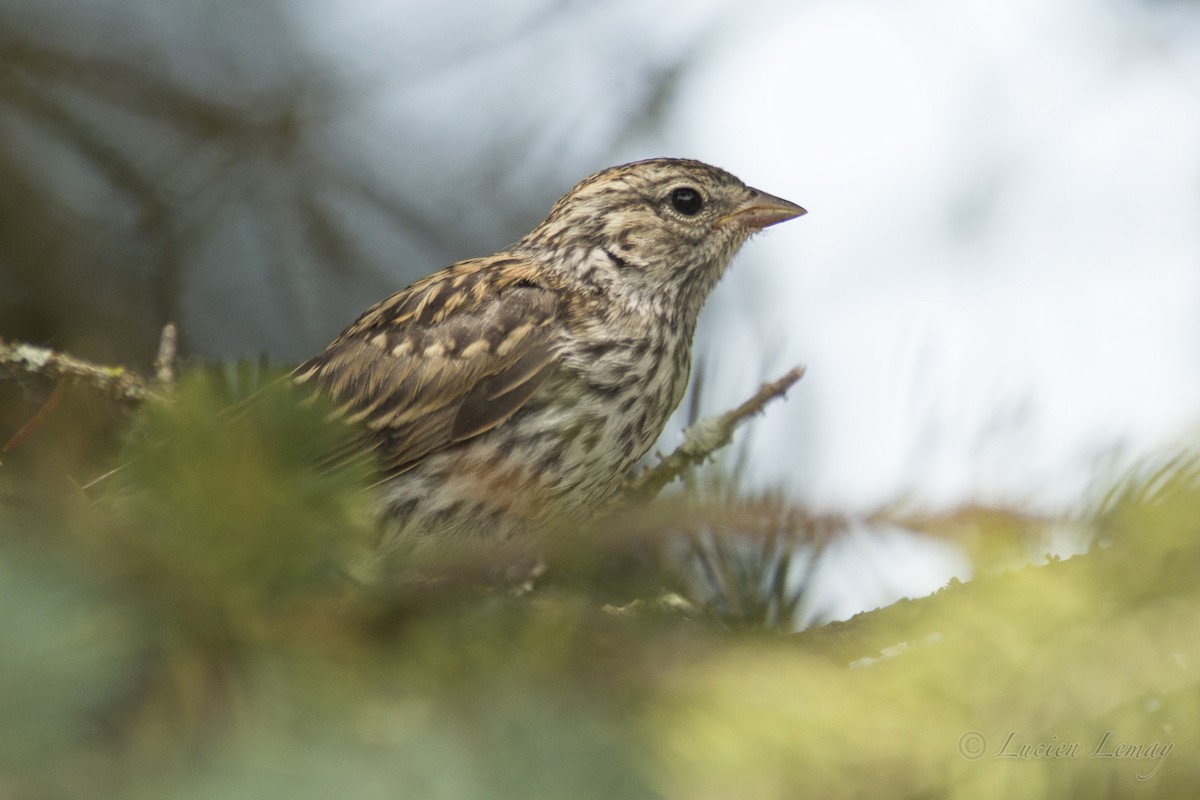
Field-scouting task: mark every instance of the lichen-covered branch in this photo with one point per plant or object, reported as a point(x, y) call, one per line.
point(119, 383)
point(703, 439)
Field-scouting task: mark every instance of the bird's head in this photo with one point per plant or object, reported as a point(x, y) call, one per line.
point(660, 231)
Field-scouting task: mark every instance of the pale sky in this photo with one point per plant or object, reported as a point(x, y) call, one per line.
point(999, 277)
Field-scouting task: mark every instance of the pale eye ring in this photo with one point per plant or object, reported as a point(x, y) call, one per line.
point(687, 201)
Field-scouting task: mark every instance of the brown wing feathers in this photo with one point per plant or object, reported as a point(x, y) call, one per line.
point(449, 358)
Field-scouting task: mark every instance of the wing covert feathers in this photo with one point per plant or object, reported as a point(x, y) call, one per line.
point(448, 358)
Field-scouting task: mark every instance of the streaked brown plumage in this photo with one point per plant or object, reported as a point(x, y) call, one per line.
point(508, 392)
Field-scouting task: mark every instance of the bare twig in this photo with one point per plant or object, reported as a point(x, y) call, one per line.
point(164, 364)
point(703, 439)
point(38, 419)
point(119, 383)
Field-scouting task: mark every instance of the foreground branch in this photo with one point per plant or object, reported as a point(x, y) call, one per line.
point(703, 439)
point(119, 383)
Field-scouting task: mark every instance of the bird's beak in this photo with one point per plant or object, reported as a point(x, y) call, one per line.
point(761, 210)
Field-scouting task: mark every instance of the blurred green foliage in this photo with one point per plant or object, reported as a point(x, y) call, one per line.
point(236, 498)
point(185, 628)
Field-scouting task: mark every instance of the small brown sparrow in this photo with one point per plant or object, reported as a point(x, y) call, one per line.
point(507, 393)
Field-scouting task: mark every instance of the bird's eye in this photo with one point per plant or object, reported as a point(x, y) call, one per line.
point(687, 201)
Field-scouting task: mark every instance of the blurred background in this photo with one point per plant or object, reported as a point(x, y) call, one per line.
point(995, 291)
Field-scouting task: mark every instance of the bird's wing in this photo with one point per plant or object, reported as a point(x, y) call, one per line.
point(448, 358)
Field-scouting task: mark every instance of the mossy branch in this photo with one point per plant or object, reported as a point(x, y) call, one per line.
point(118, 383)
